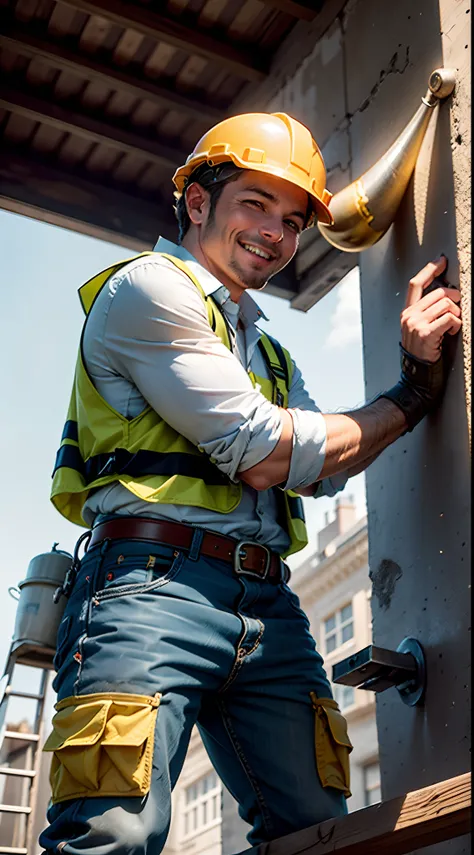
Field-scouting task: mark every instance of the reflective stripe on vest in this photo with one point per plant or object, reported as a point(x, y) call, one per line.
point(145, 454)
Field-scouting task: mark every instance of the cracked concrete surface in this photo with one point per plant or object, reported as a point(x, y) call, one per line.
point(418, 490)
point(392, 69)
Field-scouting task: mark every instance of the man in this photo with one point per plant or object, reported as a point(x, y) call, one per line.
point(189, 438)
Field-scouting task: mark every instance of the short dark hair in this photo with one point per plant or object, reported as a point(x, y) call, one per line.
point(211, 178)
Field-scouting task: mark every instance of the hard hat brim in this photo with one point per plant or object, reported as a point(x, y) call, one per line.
point(321, 212)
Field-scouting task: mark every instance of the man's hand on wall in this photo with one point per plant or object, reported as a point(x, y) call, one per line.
point(426, 319)
point(356, 438)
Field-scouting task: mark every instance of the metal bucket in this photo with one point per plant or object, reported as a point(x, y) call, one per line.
point(37, 616)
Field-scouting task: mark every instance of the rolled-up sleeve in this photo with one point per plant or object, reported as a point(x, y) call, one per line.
point(309, 443)
point(158, 337)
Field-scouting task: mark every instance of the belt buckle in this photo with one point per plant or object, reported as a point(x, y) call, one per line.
point(239, 557)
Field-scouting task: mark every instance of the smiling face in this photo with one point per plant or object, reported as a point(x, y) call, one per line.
point(252, 233)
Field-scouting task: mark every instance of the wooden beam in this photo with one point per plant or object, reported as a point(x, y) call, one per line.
point(34, 188)
point(395, 827)
point(323, 274)
point(21, 40)
point(81, 124)
point(305, 10)
point(250, 66)
point(285, 284)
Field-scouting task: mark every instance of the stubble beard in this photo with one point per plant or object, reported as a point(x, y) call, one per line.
point(257, 282)
point(254, 283)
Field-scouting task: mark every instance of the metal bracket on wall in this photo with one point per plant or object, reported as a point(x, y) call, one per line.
point(377, 669)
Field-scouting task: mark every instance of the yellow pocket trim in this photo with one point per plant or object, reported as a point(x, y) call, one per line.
point(332, 744)
point(102, 745)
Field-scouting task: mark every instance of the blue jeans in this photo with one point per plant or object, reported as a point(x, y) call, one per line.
point(232, 654)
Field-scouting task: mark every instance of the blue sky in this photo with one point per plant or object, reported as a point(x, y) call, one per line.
point(40, 323)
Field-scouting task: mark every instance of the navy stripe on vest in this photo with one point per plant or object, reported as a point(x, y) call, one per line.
point(295, 505)
point(70, 431)
point(123, 462)
point(281, 358)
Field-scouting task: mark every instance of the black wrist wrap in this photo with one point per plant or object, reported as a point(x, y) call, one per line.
point(419, 387)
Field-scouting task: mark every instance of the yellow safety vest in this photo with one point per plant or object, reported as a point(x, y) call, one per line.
point(145, 454)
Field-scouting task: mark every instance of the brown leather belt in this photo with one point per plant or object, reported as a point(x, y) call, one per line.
point(247, 557)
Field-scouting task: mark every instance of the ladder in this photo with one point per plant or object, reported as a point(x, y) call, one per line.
point(17, 820)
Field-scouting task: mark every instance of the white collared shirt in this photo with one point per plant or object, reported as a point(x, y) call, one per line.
point(147, 341)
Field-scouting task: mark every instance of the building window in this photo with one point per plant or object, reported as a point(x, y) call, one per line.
point(338, 628)
point(202, 804)
point(372, 791)
point(344, 695)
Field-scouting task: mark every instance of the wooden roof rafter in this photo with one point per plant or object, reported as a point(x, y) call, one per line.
point(251, 66)
point(114, 94)
point(95, 208)
point(23, 102)
point(29, 43)
point(305, 10)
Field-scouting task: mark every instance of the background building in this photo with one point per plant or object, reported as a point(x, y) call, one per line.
point(197, 806)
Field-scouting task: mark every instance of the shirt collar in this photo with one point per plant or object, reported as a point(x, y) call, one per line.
point(249, 310)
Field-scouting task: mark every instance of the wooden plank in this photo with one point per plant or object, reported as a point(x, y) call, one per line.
point(22, 41)
point(34, 188)
point(305, 11)
point(395, 827)
point(27, 104)
point(285, 283)
point(157, 26)
point(322, 274)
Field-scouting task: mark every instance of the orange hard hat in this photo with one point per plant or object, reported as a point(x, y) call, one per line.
point(272, 143)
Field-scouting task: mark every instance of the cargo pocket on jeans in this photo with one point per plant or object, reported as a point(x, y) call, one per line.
point(102, 745)
point(332, 744)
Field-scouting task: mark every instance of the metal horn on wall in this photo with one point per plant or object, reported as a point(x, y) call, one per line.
point(364, 211)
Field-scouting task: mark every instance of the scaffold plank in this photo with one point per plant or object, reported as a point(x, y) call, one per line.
point(398, 826)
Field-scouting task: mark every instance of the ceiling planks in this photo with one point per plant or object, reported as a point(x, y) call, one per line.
point(101, 101)
point(305, 10)
point(27, 186)
point(167, 29)
point(26, 43)
point(25, 103)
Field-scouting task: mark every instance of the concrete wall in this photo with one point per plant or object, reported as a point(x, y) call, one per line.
point(418, 491)
point(356, 88)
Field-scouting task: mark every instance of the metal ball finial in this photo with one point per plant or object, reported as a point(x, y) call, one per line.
point(442, 82)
